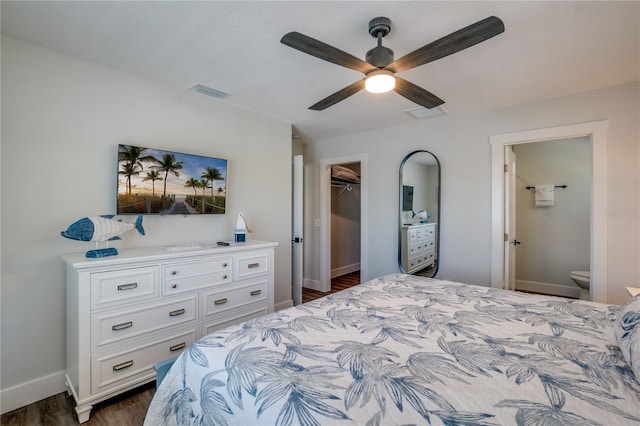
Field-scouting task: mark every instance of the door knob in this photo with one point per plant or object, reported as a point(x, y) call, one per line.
point(516, 242)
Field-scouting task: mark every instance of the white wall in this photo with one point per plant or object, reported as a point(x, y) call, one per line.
point(554, 240)
point(461, 144)
point(62, 120)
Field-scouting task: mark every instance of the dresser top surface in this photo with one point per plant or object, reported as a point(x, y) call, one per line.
point(418, 225)
point(161, 253)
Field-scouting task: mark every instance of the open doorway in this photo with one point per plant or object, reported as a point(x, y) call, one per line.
point(552, 189)
point(345, 219)
point(596, 132)
point(351, 248)
point(345, 226)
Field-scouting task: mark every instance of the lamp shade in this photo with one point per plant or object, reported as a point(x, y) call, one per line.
point(380, 81)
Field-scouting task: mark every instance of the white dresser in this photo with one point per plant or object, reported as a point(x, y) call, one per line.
point(418, 246)
point(127, 312)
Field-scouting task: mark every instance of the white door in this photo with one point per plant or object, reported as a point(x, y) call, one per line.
point(510, 241)
point(297, 246)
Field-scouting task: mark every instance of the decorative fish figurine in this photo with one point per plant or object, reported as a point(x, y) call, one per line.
point(423, 216)
point(101, 228)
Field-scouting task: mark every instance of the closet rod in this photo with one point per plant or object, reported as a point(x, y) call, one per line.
point(556, 186)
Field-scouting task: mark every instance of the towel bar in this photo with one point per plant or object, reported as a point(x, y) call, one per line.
point(557, 186)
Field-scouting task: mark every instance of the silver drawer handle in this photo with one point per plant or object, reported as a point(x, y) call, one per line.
point(177, 312)
point(129, 286)
point(122, 366)
point(178, 347)
point(220, 301)
point(174, 272)
point(224, 277)
point(174, 285)
point(254, 265)
point(256, 292)
point(225, 264)
point(122, 326)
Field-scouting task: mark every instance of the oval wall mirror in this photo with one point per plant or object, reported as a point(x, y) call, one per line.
point(419, 234)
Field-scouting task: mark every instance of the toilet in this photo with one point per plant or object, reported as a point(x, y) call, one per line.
point(583, 279)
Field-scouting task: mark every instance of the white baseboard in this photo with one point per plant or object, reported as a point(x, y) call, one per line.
point(345, 270)
point(548, 288)
point(27, 393)
point(315, 284)
point(283, 305)
point(312, 284)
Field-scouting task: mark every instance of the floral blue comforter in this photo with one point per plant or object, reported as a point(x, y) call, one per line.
point(408, 350)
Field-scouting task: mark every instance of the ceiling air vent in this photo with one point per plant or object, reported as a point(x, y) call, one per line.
point(209, 91)
point(422, 112)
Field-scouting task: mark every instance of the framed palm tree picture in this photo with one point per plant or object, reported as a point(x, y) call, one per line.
point(152, 181)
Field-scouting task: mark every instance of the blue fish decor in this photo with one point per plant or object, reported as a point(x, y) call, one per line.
point(101, 228)
point(423, 216)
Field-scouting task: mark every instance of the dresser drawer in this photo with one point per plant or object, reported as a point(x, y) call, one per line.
point(187, 276)
point(420, 233)
point(421, 261)
point(251, 264)
point(199, 267)
point(426, 232)
point(116, 325)
point(418, 248)
point(216, 324)
point(229, 298)
point(124, 285)
point(110, 371)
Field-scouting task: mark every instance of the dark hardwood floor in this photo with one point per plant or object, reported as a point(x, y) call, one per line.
point(338, 283)
point(428, 272)
point(129, 408)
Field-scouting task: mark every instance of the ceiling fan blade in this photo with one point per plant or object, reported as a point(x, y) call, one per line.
point(449, 44)
point(340, 95)
point(324, 51)
point(416, 94)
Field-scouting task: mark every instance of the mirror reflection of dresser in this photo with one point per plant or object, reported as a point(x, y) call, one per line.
point(418, 247)
point(419, 214)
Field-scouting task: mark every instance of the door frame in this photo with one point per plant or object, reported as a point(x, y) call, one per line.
point(596, 131)
point(325, 217)
point(297, 240)
point(510, 234)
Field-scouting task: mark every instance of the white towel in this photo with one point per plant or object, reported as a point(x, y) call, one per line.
point(545, 195)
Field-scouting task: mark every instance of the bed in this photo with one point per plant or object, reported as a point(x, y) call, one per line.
point(402, 349)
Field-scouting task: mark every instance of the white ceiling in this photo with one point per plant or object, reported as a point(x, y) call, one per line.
point(548, 49)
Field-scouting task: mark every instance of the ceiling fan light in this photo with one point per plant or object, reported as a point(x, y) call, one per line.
point(380, 81)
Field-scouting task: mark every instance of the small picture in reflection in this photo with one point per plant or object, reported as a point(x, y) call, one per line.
point(407, 198)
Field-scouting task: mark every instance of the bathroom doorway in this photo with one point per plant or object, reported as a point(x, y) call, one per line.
point(596, 132)
point(553, 234)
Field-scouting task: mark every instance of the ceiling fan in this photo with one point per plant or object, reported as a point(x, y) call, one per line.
point(380, 68)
